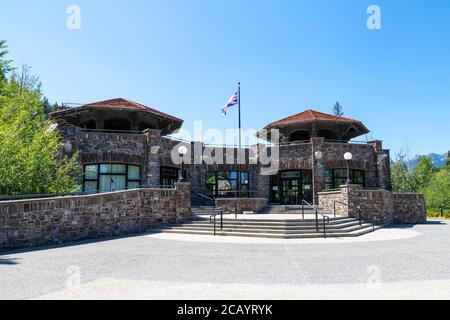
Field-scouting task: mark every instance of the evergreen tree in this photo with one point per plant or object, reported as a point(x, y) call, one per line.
point(338, 110)
point(5, 65)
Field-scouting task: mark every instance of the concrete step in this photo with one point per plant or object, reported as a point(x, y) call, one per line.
point(271, 231)
point(354, 233)
point(269, 222)
point(275, 228)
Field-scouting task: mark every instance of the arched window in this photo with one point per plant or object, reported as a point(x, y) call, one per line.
point(118, 125)
point(327, 134)
point(90, 125)
point(300, 136)
point(144, 126)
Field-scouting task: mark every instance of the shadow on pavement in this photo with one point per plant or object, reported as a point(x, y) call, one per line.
point(8, 261)
point(76, 243)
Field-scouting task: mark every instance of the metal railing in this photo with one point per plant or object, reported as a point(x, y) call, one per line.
point(216, 211)
point(334, 206)
point(326, 219)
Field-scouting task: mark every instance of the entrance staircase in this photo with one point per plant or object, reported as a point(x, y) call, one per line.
point(258, 226)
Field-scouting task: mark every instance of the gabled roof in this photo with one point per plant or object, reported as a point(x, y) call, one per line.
point(311, 115)
point(119, 104)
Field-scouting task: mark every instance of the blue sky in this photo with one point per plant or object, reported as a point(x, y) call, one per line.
point(185, 57)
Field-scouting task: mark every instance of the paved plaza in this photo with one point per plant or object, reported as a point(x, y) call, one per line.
point(405, 262)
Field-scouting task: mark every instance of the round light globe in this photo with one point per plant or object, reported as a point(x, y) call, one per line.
point(182, 150)
point(348, 156)
point(318, 155)
point(67, 147)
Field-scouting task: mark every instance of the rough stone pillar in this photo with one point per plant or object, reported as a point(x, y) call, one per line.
point(383, 165)
point(350, 197)
point(183, 201)
point(197, 174)
point(153, 161)
point(319, 168)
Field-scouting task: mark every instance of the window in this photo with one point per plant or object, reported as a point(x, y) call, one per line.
point(338, 177)
point(111, 177)
point(169, 176)
point(227, 184)
point(300, 136)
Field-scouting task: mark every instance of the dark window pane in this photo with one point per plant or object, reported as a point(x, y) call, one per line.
point(119, 169)
point(244, 178)
point(105, 168)
point(91, 172)
point(222, 175)
point(307, 176)
point(329, 176)
point(90, 186)
point(133, 185)
point(340, 182)
point(134, 173)
point(340, 173)
point(233, 175)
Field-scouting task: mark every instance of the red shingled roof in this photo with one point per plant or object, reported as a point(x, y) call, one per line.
point(128, 104)
point(311, 115)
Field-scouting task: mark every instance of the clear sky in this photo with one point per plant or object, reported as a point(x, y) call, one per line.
point(185, 57)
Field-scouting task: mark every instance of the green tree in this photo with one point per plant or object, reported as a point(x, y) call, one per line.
point(31, 157)
point(48, 107)
point(421, 174)
point(437, 194)
point(338, 110)
point(5, 65)
point(400, 176)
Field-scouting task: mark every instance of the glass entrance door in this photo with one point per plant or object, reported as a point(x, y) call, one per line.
point(291, 192)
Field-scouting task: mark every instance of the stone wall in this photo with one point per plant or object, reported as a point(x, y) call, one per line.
point(242, 204)
point(379, 206)
point(333, 199)
point(27, 223)
point(410, 208)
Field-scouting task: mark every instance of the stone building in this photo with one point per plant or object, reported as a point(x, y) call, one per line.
point(125, 145)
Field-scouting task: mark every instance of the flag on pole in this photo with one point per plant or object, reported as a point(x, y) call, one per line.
point(234, 100)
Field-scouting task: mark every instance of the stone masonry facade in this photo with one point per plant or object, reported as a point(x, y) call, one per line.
point(27, 223)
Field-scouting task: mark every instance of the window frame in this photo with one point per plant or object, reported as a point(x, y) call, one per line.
point(99, 174)
point(217, 175)
point(332, 184)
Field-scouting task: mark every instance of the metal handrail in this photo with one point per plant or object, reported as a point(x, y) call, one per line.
point(334, 204)
point(216, 212)
point(326, 219)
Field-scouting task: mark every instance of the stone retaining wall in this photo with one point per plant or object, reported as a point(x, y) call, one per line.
point(410, 208)
point(26, 223)
point(242, 204)
point(380, 206)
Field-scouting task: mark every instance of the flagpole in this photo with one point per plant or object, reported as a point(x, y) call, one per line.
point(240, 138)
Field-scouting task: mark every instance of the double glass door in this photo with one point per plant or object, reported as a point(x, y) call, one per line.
point(292, 187)
point(291, 192)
